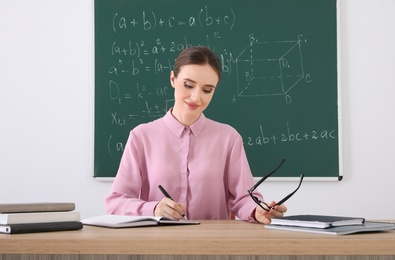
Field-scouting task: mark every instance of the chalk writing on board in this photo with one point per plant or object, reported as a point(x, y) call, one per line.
point(270, 68)
point(289, 135)
point(153, 21)
point(134, 59)
point(264, 138)
point(263, 68)
point(118, 146)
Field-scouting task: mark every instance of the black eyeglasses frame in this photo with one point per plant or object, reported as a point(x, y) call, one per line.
point(259, 202)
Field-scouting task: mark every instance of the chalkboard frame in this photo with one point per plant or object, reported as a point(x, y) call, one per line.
point(339, 177)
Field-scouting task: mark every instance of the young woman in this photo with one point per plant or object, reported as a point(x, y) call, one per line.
point(199, 162)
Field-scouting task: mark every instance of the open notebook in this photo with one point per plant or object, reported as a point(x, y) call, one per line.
point(120, 221)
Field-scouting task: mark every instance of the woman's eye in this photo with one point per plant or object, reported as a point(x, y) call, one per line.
point(205, 90)
point(187, 86)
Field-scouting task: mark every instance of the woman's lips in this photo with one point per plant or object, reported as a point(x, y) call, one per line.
point(192, 106)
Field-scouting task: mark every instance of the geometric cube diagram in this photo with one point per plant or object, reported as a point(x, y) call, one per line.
point(269, 68)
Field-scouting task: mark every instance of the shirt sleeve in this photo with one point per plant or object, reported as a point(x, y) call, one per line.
point(125, 191)
point(240, 180)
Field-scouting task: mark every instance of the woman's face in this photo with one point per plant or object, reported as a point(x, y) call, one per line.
point(193, 90)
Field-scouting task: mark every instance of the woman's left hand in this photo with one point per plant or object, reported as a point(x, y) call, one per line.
point(265, 217)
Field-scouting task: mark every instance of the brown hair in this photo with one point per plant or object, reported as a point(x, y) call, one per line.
point(199, 55)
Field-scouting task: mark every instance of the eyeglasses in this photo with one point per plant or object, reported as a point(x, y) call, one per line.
point(264, 205)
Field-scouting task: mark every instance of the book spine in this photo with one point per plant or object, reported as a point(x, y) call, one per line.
point(39, 217)
point(43, 227)
point(36, 207)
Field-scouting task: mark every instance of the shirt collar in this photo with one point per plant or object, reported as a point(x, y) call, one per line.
point(177, 128)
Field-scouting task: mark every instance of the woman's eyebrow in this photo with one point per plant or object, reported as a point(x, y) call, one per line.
point(206, 85)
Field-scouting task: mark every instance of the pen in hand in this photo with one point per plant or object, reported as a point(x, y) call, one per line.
point(167, 195)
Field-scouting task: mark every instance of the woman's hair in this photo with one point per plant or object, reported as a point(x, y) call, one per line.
point(198, 55)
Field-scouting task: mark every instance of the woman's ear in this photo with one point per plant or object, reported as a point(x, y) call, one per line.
point(172, 79)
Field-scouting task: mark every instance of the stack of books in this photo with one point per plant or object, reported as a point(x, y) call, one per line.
point(38, 217)
point(330, 225)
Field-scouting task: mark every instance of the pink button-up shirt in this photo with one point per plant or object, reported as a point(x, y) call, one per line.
point(203, 166)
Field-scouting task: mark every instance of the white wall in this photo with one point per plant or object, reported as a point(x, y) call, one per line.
point(46, 110)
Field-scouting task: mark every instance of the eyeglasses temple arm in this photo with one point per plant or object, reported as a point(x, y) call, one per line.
point(292, 193)
point(267, 176)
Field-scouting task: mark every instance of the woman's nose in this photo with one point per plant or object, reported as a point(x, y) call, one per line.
point(195, 95)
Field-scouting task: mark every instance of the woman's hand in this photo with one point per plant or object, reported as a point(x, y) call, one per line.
point(170, 209)
point(265, 217)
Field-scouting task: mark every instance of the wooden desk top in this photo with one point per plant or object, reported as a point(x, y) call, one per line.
point(211, 237)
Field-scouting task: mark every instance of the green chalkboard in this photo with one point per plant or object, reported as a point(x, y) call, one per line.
point(279, 87)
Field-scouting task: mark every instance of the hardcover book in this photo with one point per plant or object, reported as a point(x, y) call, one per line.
point(317, 221)
point(38, 217)
point(40, 227)
point(36, 207)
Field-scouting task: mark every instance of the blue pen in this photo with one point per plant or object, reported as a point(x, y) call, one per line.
point(167, 195)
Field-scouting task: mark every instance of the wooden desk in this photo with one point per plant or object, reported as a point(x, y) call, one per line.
point(211, 240)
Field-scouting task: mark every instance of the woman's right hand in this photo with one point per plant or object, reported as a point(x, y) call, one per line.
point(170, 209)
